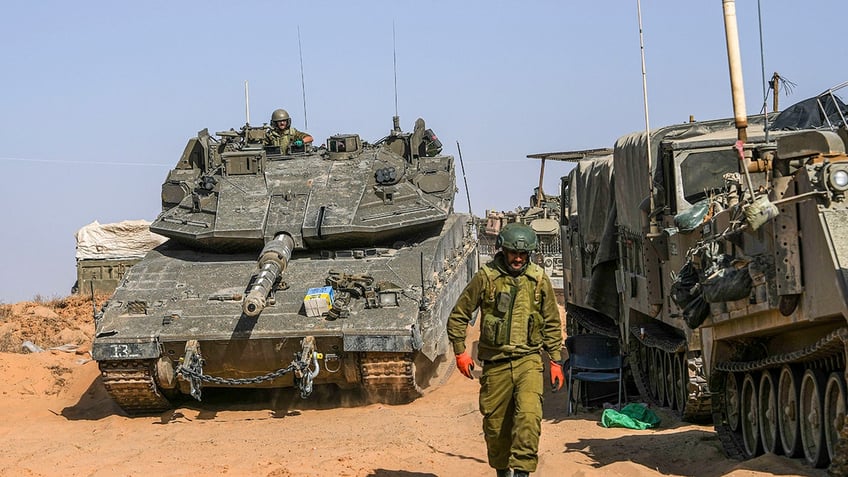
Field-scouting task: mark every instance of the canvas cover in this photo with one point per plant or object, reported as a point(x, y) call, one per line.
point(592, 200)
point(810, 114)
point(591, 191)
point(127, 239)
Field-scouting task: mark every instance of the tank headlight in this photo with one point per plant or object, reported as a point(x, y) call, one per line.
point(837, 177)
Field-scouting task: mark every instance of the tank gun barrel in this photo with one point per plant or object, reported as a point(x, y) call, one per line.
point(272, 263)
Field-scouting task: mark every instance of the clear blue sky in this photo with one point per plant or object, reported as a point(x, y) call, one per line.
point(99, 97)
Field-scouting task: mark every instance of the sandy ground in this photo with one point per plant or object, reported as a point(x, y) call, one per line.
point(56, 419)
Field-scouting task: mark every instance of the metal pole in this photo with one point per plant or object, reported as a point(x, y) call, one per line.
point(302, 82)
point(246, 104)
point(734, 61)
point(654, 227)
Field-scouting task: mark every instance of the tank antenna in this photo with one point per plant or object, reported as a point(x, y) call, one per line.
point(763, 68)
point(246, 104)
point(396, 118)
point(651, 217)
point(302, 82)
point(467, 196)
point(464, 180)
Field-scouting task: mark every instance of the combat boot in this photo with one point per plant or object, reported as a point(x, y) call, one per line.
point(520, 473)
point(504, 472)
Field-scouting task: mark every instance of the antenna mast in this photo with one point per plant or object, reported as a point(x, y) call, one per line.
point(246, 104)
point(651, 218)
point(302, 82)
point(396, 118)
point(467, 197)
point(763, 68)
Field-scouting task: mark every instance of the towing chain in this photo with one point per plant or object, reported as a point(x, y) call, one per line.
point(192, 370)
point(192, 374)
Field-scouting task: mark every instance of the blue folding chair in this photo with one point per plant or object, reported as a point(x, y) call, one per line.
point(594, 358)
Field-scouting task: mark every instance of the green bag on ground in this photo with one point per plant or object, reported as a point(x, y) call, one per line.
point(631, 416)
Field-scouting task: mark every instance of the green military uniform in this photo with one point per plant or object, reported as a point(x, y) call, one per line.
point(518, 318)
point(284, 138)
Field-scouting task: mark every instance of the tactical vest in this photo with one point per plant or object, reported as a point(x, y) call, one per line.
point(283, 139)
point(512, 322)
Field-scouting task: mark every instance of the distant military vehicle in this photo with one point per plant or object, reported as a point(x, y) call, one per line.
point(722, 271)
point(330, 265)
point(542, 215)
point(106, 251)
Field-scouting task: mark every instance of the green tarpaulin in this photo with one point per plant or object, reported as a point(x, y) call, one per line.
point(632, 416)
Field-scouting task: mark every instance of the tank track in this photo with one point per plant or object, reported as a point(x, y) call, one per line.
point(839, 462)
point(657, 336)
point(698, 407)
point(731, 442)
point(592, 321)
point(389, 378)
point(132, 385)
point(699, 403)
point(830, 345)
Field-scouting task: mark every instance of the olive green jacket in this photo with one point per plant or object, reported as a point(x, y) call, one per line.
point(518, 315)
point(275, 137)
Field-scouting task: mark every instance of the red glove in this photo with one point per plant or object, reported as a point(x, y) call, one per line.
point(466, 364)
point(557, 377)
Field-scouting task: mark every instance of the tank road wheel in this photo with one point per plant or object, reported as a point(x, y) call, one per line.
point(660, 377)
point(638, 360)
point(787, 407)
point(653, 374)
point(768, 413)
point(670, 388)
point(681, 379)
point(750, 417)
point(731, 402)
point(811, 412)
point(834, 410)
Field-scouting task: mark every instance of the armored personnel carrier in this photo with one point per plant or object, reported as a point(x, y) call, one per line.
point(715, 251)
point(729, 290)
point(330, 265)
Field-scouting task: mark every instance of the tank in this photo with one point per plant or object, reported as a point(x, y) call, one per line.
point(336, 265)
point(718, 261)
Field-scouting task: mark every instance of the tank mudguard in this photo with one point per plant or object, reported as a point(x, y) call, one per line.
point(116, 351)
point(379, 343)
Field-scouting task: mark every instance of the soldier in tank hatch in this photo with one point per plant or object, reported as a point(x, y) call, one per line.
point(283, 135)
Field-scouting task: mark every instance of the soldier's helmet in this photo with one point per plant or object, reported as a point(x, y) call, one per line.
point(279, 115)
point(518, 237)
